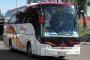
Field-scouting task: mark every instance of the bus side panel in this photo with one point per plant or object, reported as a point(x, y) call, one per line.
point(5, 35)
point(30, 36)
point(24, 31)
point(6, 43)
point(20, 38)
point(33, 41)
point(12, 34)
point(38, 48)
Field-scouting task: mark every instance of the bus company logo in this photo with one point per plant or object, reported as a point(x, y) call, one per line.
point(23, 28)
point(62, 43)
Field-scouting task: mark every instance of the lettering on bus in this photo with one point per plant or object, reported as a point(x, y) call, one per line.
point(23, 28)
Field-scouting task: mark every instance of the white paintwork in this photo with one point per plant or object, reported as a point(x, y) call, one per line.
point(26, 32)
point(54, 51)
point(29, 35)
point(25, 28)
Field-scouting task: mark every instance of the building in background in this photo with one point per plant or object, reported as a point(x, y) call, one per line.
point(1, 25)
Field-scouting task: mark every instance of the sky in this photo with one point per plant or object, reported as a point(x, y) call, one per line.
point(8, 4)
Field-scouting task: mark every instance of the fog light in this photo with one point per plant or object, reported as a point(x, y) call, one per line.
point(42, 45)
point(45, 45)
point(45, 51)
point(48, 46)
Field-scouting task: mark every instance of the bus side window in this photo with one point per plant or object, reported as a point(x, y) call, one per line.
point(24, 19)
point(11, 14)
point(19, 17)
point(28, 20)
point(17, 21)
point(13, 18)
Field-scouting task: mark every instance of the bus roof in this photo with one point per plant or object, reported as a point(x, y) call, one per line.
point(25, 6)
point(67, 4)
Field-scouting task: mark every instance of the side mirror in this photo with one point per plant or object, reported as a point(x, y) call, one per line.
point(84, 19)
point(41, 17)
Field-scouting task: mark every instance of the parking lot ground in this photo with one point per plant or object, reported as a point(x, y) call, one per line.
point(5, 54)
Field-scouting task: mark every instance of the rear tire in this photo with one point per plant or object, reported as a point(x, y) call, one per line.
point(29, 51)
point(10, 46)
point(61, 57)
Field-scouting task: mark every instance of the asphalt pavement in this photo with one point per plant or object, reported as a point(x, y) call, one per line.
point(5, 54)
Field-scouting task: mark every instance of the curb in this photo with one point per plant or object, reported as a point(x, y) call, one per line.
point(1, 46)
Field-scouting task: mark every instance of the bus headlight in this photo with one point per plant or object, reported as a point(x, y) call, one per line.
point(45, 45)
point(76, 46)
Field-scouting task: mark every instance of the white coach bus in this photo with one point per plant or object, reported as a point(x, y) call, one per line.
point(44, 29)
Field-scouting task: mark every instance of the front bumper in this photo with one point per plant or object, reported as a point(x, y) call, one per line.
point(60, 52)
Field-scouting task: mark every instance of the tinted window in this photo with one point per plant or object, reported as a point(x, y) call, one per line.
point(59, 20)
point(10, 13)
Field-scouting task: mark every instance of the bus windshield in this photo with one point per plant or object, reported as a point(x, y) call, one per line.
point(60, 21)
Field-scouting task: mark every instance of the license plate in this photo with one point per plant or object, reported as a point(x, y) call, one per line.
point(62, 52)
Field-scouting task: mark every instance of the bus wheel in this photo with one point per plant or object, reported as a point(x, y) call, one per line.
point(10, 46)
point(29, 51)
point(61, 57)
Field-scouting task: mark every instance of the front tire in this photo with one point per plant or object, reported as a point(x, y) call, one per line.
point(29, 51)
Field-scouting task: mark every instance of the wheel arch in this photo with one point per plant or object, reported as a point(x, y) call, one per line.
point(10, 40)
point(28, 42)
